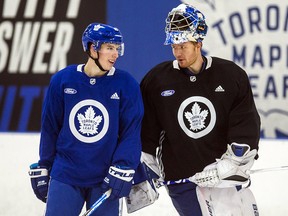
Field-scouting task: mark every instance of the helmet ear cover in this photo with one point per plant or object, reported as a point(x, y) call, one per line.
point(89, 44)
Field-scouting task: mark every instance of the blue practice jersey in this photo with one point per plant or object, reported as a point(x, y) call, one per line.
point(89, 124)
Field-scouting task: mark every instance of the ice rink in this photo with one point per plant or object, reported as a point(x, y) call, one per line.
point(18, 151)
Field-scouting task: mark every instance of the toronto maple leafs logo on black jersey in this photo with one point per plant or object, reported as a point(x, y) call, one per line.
point(196, 116)
point(89, 121)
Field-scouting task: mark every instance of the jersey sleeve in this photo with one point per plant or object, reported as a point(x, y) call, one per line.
point(244, 121)
point(151, 129)
point(128, 151)
point(51, 123)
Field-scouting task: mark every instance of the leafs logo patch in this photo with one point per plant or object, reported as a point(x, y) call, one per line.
point(196, 116)
point(89, 121)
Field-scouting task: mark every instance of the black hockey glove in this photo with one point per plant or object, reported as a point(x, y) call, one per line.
point(39, 176)
point(119, 180)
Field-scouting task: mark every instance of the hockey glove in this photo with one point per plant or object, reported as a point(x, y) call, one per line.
point(39, 176)
point(231, 170)
point(152, 166)
point(119, 180)
point(144, 173)
point(143, 191)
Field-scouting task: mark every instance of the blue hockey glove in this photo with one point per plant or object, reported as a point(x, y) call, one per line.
point(39, 176)
point(119, 180)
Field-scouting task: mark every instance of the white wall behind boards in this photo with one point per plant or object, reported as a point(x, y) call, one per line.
point(253, 34)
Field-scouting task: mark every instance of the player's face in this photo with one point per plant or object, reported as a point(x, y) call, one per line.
point(186, 53)
point(108, 54)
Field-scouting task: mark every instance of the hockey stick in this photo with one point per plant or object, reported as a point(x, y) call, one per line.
point(98, 203)
point(269, 169)
point(189, 179)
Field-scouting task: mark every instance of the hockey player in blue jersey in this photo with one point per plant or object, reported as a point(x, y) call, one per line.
point(200, 123)
point(90, 134)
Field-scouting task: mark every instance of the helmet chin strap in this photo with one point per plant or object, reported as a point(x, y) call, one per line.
point(98, 64)
point(97, 61)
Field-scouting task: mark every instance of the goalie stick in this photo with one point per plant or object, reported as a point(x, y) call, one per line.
point(189, 179)
point(98, 203)
point(269, 169)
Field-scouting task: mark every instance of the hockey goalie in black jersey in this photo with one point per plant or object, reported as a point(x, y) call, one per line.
point(200, 121)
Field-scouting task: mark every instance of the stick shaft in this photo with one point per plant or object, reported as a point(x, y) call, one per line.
point(269, 169)
point(98, 203)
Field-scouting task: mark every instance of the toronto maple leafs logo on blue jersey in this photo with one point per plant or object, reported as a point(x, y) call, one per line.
point(196, 116)
point(89, 121)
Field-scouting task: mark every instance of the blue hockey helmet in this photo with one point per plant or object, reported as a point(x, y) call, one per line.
point(185, 23)
point(97, 34)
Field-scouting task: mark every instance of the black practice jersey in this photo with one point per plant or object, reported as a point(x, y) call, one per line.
point(191, 118)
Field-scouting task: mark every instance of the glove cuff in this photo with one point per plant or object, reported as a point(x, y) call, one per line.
point(37, 171)
point(123, 174)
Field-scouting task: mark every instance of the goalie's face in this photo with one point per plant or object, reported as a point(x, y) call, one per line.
point(187, 54)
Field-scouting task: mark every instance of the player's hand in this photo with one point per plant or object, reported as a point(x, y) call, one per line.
point(119, 180)
point(39, 176)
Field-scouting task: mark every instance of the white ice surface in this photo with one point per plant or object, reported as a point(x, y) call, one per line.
point(18, 151)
